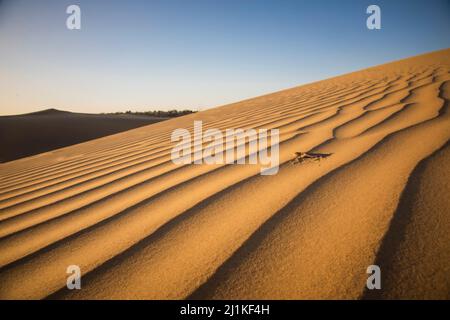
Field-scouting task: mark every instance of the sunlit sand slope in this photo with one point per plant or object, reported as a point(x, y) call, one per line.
point(140, 226)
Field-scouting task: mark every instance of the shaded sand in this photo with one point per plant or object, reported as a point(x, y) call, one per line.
point(30, 134)
point(141, 227)
point(418, 240)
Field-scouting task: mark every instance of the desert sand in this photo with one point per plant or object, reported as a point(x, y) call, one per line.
point(141, 227)
point(34, 133)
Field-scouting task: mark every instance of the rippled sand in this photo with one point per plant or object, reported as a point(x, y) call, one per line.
point(142, 227)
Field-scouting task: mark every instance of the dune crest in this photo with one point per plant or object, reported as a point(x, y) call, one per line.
point(363, 180)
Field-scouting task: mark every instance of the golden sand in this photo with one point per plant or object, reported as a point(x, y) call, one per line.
point(141, 227)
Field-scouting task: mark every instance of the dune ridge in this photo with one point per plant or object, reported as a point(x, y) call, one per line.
point(141, 227)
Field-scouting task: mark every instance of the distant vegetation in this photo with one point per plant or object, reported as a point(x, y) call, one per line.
point(159, 113)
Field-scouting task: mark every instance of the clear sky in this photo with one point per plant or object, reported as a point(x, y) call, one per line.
point(197, 54)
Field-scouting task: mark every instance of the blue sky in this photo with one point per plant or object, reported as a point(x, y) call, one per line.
point(196, 54)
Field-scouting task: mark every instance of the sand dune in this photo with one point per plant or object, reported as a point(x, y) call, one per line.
point(141, 227)
point(34, 133)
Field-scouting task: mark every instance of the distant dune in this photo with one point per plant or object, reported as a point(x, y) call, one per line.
point(141, 227)
point(37, 132)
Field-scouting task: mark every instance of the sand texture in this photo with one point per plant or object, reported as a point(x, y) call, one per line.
point(141, 227)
